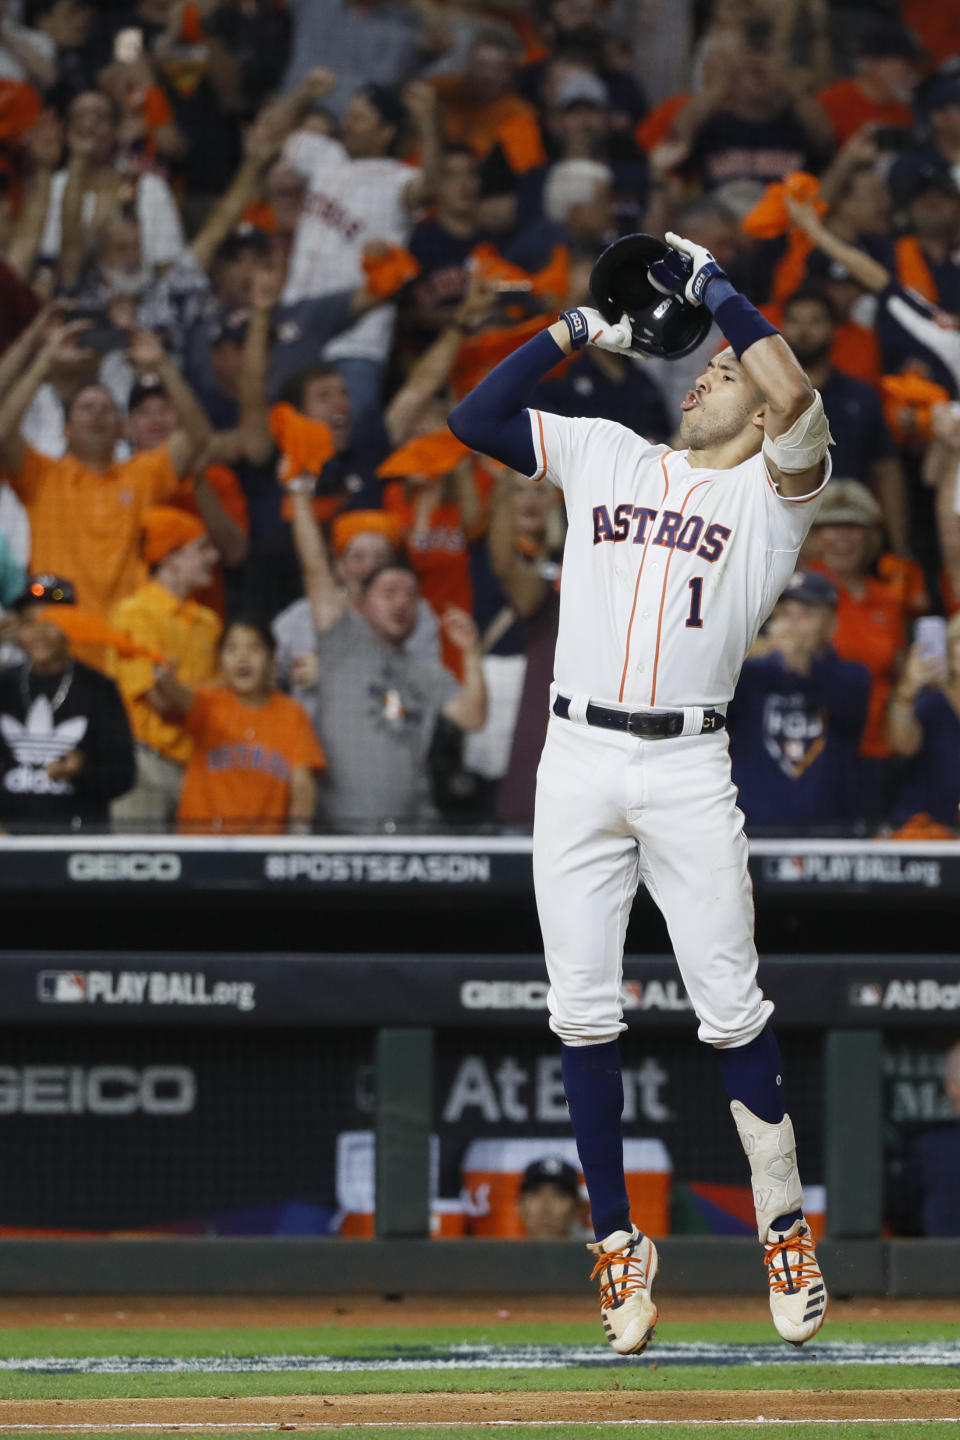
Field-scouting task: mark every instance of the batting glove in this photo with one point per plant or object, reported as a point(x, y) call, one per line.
point(686, 269)
point(588, 327)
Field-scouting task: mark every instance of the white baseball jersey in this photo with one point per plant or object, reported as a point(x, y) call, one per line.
point(349, 204)
point(668, 570)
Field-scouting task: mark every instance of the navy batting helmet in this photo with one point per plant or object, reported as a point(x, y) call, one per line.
point(664, 326)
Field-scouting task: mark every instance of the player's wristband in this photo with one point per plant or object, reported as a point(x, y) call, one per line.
point(576, 323)
point(740, 321)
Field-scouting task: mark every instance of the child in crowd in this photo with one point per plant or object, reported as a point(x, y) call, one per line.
point(254, 751)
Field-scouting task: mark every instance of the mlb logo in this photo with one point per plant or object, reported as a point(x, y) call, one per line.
point(62, 987)
point(868, 996)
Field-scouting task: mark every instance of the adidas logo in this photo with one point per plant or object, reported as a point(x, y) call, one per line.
point(34, 743)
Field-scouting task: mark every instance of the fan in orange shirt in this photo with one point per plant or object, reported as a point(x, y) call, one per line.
point(888, 66)
point(482, 109)
point(872, 614)
point(254, 751)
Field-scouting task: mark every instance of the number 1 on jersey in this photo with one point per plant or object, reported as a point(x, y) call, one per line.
point(695, 619)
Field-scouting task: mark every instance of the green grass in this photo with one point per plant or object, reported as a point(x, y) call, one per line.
point(386, 1340)
point(627, 1377)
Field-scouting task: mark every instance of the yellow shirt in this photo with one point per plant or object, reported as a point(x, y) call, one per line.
point(182, 630)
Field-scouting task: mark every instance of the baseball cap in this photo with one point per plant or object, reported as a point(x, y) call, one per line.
point(244, 237)
point(144, 388)
point(551, 1170)
point(821, 267)
point(810, 589)
point(45, 589)
point(581, 88)
point(890, 39)
point(919, 170)
point(942, 90)
point(847, 502)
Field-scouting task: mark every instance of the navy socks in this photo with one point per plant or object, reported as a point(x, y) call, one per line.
point(753, 1074)
point(594, 1089)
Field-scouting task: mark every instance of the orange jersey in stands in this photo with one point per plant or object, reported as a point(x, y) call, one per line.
point(872, 631)
point(85, 524)
point(238, 777)
point(850, 107)
point(508, 122)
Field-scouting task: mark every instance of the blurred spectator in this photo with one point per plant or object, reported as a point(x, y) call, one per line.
point(923, 723)
point(525, 551)
point(862, 444)
point(164, 617)
point(213, 492)
point(254, 754)
point(941, 103)
point(888, 66)
point(363, 41)
point(91, 190)
point(941, 470)
point(26, 54)
point(65, 744)
point(357, 192)
point(441, 245)
point(751, 121)
point(378, 709)
point(871, 616)
point(482, 109)
point(578, 196)
point(319, 394)
point(927, 1182)
point(549, 1200)
point(86, 509)
point(362, 541)
point(797, 718)
point(926, 257)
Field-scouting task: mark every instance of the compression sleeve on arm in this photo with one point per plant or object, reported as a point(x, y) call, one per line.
point(492, 418)
point(741, 322)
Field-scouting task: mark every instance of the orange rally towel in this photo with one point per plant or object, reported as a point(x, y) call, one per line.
point(908, 403)
point(433, 455)
point(83, 627)
point(306, 445)
point(479, 353)
point(770, 217)
point(351, 523)
point(389, 271)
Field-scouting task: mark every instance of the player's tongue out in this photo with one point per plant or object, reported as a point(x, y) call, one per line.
point(689, 401)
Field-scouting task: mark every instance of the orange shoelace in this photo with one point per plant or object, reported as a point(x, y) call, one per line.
point(792, 1277)
point(630, 1284)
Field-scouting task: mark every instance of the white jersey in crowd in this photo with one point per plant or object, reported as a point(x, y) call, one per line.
point(349, 204)
point(668, 570)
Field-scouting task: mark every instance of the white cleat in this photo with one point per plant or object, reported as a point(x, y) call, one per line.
point(626, 1265)
point(798, 1296)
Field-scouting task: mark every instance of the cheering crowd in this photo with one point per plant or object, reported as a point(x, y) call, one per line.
point(251, 254)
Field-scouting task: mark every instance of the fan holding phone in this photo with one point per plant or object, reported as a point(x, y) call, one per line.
point(924, 723)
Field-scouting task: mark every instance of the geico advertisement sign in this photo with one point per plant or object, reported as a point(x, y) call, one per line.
point(532, 995)
point(97, 1090)
point(135, 865)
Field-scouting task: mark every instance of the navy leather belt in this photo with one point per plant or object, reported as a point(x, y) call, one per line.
point(640, 722)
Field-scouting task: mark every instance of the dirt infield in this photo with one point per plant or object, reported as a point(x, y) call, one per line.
point(245, 1312)
point(301, 1412)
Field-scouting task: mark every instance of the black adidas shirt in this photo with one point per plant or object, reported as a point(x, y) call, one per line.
point(42, 719)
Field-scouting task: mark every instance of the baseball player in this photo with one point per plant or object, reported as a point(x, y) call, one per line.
point(673, 560)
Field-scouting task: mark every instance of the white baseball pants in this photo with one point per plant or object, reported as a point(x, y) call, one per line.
point(612, 810)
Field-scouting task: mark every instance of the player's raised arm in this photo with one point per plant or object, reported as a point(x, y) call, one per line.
point(795, 429)
point(493, 418)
